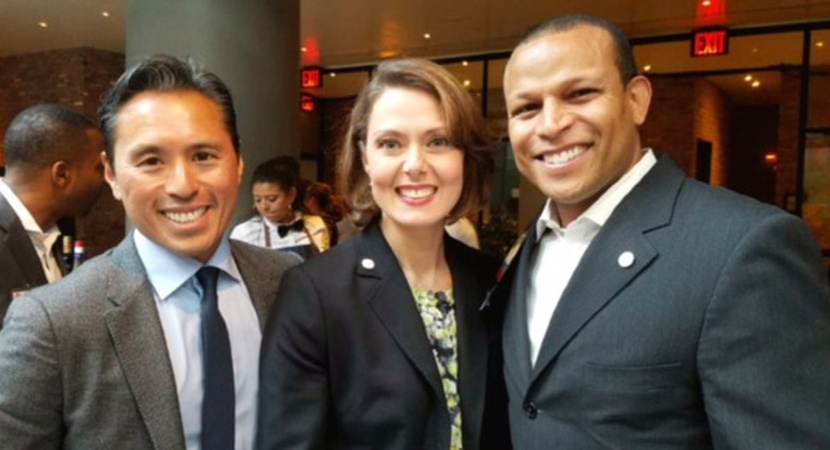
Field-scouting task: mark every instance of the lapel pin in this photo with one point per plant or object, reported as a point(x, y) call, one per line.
point(626, 259)
point(367, 264)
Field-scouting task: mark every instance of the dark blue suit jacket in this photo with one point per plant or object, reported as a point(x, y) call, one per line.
point(717, 336)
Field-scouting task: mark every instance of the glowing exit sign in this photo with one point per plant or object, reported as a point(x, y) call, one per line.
point(311, 77)
point(710, 42)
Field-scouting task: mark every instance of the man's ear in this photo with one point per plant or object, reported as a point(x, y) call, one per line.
point(109, 175)
point(61, 174)
point(639, 98)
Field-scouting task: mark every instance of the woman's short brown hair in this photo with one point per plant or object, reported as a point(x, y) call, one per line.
point(465, 128)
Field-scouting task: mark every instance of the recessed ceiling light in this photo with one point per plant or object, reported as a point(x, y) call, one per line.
point(756, 83)
point(647, 68)
point(105, 14)
point(748, 78)
point(303, 49)
point(820, 44)
point(706, 2)
point(466, 83)
point(427, 35)
point(332, 74)
point(465, 63)
point(43, 24)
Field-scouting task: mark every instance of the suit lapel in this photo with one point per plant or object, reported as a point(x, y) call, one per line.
point(261, 285)
point(20, 246)
point(385, 288)
point(132, 320)
point(514, 287)
point(469, 291)
point(617, 255)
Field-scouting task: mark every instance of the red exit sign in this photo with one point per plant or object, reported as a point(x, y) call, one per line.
point(710, 42)
point(311, 78)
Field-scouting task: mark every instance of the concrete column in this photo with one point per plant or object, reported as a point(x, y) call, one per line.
point(253, 45)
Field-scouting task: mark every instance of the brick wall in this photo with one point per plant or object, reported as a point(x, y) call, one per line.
point(76, 78)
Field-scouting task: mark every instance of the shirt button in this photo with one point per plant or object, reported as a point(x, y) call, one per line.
point(531, 411)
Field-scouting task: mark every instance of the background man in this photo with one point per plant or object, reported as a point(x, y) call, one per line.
point(142, 347)
point(647, 310)
point(53, 170)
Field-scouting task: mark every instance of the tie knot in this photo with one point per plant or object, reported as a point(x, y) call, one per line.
point(207, 277)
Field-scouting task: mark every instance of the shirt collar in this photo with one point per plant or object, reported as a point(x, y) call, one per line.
point(169, 270)
point(26, 219)
point(599, 212)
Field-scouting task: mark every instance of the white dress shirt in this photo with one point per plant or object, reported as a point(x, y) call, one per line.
point(42, 241)
point(178, 298)
point(560, 250)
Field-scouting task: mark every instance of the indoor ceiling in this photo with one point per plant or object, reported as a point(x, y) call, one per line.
point(344, 33)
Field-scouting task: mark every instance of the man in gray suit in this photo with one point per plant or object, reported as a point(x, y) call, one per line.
point(646, 310)
point(112, 356)
point(53, 171)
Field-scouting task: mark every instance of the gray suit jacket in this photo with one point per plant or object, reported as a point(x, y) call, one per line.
point(19, 264)
point(717, 336)
point(84, 363)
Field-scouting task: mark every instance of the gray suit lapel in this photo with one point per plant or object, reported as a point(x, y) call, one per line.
point(133, 322)
point(385, 288)
point(261, 284)
point(600, 276)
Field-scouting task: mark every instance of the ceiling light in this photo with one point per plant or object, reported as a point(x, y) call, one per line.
point(748, 78)
point(303, 49)
point(706, 2)
point(332, 74)
point(820, 44)
point(427, 35)
point(465, 63)
point(647, 68)
point(105, 14)
point(466, 83)
point(756, 83)
point(43, 24)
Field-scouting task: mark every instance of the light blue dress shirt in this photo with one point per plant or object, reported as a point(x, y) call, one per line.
point(178, 296)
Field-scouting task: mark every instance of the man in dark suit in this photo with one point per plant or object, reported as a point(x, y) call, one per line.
point(123, 352)
point(647, 310)
point(53, 170)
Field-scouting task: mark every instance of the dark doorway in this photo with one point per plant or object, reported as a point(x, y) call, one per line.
point(703, 167)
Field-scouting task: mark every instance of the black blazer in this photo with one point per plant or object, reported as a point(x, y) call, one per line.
point(714, 332)
point(20, 267)
point(346, 362)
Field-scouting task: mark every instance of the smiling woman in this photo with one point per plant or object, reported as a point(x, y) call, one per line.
point(379, 342)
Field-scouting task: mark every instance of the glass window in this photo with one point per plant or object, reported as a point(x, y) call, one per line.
point(819, 99)
point(816, 206)
point(471, 75)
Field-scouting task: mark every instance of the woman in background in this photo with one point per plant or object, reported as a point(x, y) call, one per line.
point(278, 223)
point(379, 343)
point(320, 199)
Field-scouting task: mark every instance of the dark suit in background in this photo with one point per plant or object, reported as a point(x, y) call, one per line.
point(20, 267)
point(347, 363)
point(95, 344)
point(717, 336)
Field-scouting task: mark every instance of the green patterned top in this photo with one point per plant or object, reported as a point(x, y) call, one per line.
point(438, 313)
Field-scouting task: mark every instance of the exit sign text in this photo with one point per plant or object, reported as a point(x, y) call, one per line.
point(710, 43)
